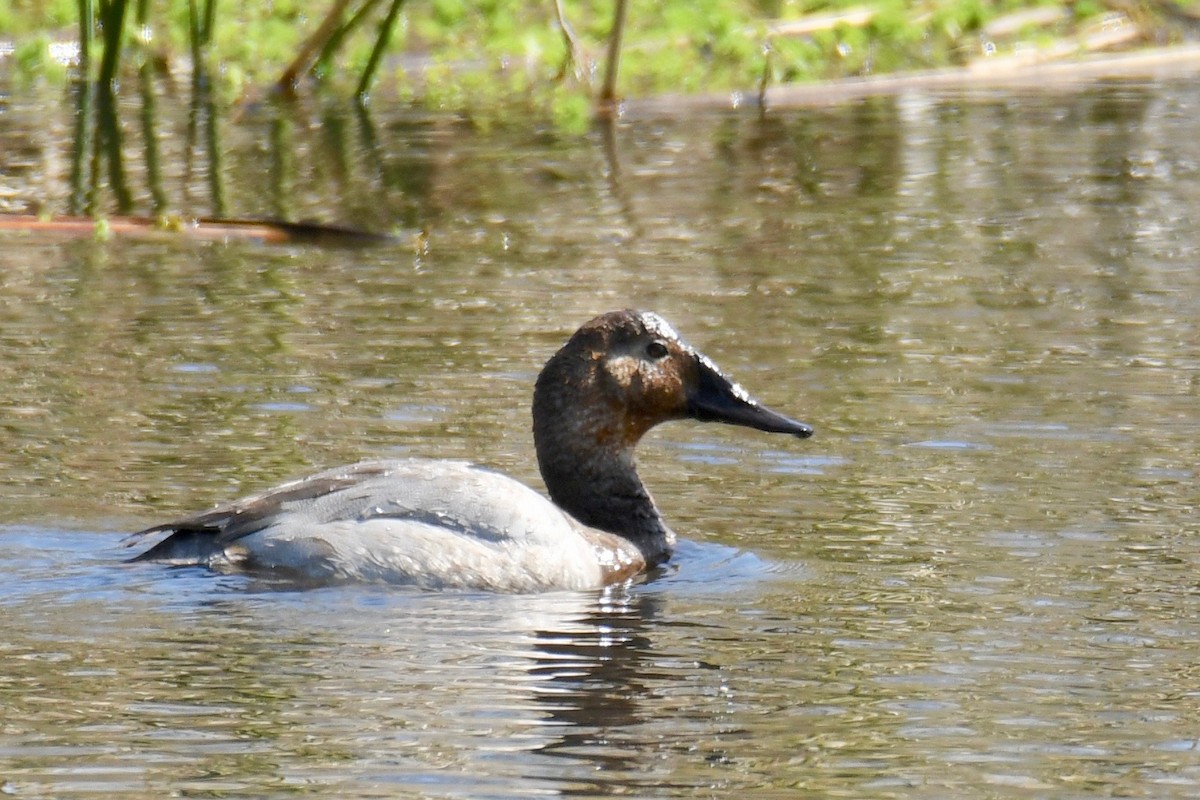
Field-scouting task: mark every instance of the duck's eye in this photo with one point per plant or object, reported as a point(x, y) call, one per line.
point(657, 350)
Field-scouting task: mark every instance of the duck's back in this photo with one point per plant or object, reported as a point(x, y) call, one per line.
point(426, 522)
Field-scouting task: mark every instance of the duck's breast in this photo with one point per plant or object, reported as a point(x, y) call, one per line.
point(430, 523)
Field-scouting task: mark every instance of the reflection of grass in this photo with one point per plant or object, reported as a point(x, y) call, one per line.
point(470, 54)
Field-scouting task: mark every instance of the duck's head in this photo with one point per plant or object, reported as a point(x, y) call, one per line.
point(624, 372)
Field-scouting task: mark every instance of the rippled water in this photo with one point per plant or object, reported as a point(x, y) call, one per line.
point(977, 580)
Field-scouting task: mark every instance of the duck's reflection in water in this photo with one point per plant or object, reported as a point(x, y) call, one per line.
point(475, 693)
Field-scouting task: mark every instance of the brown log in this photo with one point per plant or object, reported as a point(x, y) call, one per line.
point(264, 231)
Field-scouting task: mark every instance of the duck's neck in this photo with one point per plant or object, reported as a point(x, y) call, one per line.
point(596, 483)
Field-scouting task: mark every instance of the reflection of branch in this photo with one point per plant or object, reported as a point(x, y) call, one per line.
point(109, 142)
point(612, 159)
point(80, 201)
point(158, 198)
point(370, 144)
point(212, 140)
point(202, 111)
point(281, 164)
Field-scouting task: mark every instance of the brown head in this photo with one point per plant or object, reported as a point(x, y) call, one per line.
point(619, 375)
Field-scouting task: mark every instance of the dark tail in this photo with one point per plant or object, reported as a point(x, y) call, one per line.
point(186, 546)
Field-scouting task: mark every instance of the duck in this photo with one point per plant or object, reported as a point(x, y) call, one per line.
point(444, 524)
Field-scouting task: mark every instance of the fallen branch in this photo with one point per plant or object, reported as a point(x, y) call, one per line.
point(263, 231)
point(850, 17)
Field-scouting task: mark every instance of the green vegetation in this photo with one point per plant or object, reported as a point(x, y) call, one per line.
point(474, 53)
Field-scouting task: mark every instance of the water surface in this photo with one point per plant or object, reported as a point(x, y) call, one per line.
point(977, 580)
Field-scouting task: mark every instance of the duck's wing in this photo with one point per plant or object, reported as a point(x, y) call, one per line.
point(432, 522)
point(193, 539)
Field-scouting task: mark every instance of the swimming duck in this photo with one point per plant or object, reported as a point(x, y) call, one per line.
point(437, 523)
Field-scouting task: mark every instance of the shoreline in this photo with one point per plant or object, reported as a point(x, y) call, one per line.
point(1002, 72)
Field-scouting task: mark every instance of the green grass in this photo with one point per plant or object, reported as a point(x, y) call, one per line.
point(469, 53)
